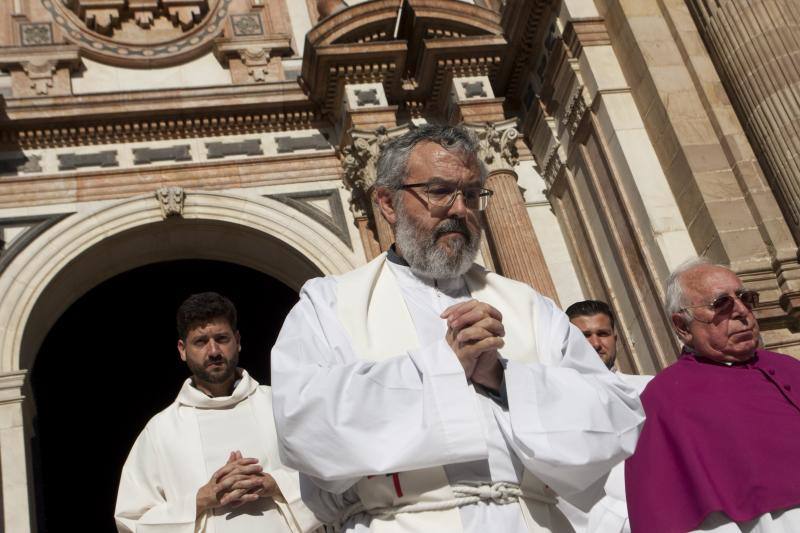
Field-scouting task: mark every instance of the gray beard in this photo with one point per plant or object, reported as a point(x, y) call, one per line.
point(429, 259)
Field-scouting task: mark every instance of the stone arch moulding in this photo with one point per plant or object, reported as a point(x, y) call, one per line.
point(30, 274)
point(186, 29)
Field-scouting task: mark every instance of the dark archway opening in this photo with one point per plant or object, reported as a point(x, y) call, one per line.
point(110, 363)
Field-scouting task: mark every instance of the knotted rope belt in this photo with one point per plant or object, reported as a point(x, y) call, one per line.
point(500, 493)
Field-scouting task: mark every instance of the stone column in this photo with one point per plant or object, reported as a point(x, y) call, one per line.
point(755, 46)
point(17, 511)
point(518, 254)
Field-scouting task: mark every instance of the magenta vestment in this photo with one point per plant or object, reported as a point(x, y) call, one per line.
point(717, 438)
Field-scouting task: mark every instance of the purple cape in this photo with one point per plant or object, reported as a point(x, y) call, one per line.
point(716, 438)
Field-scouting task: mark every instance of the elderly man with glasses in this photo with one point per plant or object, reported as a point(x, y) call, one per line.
point(719, 450)
point(421, 392)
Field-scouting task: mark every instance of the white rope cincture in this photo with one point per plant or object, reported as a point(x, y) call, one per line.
point(500, 493)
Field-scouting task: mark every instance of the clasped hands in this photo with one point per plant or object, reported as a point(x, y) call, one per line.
point(241, 480)
point(475, 332)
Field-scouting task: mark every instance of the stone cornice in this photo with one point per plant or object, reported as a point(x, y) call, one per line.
point(150, 115)
point(523, 25)
point(278, 45)
point(11, 55)
point(325, 67)
point(156, 101)
point(90, 185)
point(413, 53)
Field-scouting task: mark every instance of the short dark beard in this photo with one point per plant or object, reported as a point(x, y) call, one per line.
point(199, 372)
point(425, 256)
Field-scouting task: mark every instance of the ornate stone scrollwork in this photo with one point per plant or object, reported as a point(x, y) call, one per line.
point(497, 144)
point(552, 165)
point(573, 114)
point(171, 200)
point(360, 161)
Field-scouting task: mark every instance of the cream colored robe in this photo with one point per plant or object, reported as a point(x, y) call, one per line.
point(610, 514)
point(169, 462)
point(357, 397)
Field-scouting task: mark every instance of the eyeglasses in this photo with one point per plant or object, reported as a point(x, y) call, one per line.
point(722, 305)
point(443, 194)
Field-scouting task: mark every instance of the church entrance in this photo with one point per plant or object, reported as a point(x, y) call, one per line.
point(109, 363)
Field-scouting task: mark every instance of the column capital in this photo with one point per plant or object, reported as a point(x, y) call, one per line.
point(497, 144)
point(360, 160)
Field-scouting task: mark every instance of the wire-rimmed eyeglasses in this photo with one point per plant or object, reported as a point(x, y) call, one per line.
point(443, 194)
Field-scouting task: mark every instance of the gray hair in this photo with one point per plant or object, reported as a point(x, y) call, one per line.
point(392, 167)
point(675, 299)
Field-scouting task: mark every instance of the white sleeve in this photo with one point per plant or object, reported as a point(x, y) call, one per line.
point(340, 418)
point(141, 504)
point(571, 418)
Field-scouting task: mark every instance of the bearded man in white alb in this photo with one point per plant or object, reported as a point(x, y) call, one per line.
point(421, 393)
point(209, 462)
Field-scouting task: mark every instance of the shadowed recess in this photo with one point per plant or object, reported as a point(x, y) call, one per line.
point(110, 363)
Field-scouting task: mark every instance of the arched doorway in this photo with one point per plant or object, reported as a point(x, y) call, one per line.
point(85, 250)
point(112, 356)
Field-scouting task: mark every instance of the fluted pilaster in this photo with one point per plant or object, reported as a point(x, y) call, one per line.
point(517, 250)
point(755, 47)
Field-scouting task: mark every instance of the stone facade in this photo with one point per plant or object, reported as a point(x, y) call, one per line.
point(622, 136)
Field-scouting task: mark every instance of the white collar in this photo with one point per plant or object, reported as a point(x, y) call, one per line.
point(405, 277)
point(193, 397)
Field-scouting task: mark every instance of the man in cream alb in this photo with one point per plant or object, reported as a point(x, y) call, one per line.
point(421, 392)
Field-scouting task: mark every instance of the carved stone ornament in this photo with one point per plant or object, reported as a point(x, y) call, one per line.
point(171, 200)
point(574, 112)
point(40, 73)
point(256, 59)
point(41, 67)
point(360, 160)
point(552, 164)
point(139, 33)
point(497, 144)
point(247, 25)
point(36, 34)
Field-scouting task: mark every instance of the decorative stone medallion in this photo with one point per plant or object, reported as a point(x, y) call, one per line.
point(36, 34)
point(140, 33)
point(245, 25)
